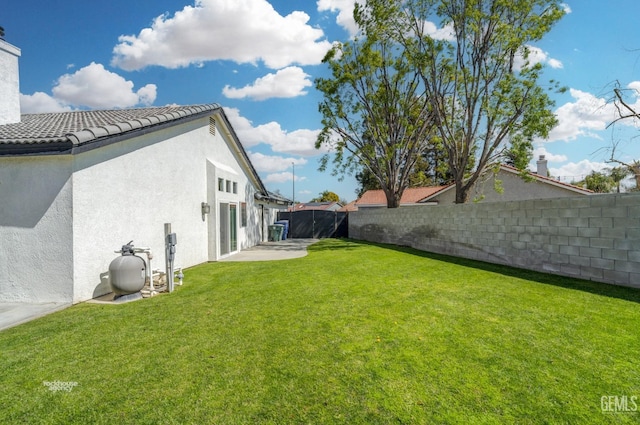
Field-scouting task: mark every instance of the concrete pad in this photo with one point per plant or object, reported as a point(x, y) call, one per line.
point(13, 314)
point(271, 251)
point(110, 298)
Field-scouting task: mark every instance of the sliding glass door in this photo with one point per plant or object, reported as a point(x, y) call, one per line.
point(228, 228)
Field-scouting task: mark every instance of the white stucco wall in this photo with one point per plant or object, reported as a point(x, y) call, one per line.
point(36, 244)
point(225, 163)
point(127, 191)
point(62, 217)
point(9, 84)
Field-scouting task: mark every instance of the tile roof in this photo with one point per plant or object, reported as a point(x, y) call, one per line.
point(549, 180)
point(351, 206)
point(416, 195)
point(316, 206)
point(62, 132)
point(78, 127)
point(411, 195)
point(274, 197)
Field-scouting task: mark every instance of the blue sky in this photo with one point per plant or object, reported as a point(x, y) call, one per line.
point(258, 59)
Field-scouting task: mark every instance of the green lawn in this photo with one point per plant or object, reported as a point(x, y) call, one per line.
point(354, 333)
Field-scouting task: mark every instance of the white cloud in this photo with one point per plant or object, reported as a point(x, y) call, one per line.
point(583, 117)
point(555, 63)
point(299, 142)
point(566, 8)
point(535, 55)
point(345, 19)
point(282, 178)
point(147, 94)
point(245, 31)
point(286, 83)
point(345, 13)
point(634, 85)
point(444, 33)
point(589, 114)
point(95, 87)
point(272, 164)
point(547, 155)
point(40, 102)
point(576, 171)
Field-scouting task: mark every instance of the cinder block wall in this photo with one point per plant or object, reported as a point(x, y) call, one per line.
point(593, 237)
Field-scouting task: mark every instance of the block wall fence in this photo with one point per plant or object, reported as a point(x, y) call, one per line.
point(592, 237)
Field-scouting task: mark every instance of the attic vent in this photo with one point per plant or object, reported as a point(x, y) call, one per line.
point(212, 126)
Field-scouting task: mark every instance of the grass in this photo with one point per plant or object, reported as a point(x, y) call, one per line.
point(354, 333)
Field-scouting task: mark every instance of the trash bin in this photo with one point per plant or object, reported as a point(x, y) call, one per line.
point(285, 231)
point(279, 231)
point(275, 232)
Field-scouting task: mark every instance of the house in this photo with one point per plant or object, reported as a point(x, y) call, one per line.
point(316, 206)
point(508, 179)
point(410, 196)
point(512, 187)
point(76, 186)
point(351, 206)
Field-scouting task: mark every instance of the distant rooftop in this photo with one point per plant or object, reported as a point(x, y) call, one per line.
point(411, 195)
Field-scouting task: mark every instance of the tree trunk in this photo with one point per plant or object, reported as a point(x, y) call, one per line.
point(393, 203)
point(462, 193)
point(393, 199)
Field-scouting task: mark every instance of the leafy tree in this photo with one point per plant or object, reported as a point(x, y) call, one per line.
point(598, 182)
point(366, 181)
point(376, 114)
point(327, 196)
point(479, 78)
point(617, 174)
point(430, 169)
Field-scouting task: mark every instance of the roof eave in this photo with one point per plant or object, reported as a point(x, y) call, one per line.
point(63, 147)
point(547, 180)
point(242, 152)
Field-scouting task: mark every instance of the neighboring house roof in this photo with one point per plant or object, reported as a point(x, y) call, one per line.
point(317, 206)
point(79, 131)
point(410, 196)
point(515, 171)
point(549, 180)
point(351, 206)
point(275, 198)
point(420, 195)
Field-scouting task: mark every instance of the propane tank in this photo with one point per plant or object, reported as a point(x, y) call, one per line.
point(127, 273)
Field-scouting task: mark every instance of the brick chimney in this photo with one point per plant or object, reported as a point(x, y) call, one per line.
point(542, 167)
point(9, 83)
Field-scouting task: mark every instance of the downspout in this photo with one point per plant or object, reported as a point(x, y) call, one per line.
point(261, 222)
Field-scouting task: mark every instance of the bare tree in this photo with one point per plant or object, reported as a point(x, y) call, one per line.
point(625, 111)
